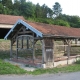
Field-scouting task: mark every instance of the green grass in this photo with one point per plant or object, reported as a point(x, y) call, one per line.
point(7, 68)
point(70, 68)
point(4, 55)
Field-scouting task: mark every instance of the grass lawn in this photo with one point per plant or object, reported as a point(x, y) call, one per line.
point(7, 68)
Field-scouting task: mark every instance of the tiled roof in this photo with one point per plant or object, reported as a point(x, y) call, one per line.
point(9, 19)
point(46, 30)
point(55, 30)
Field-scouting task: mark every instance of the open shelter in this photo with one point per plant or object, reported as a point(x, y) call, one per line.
point(25, 35)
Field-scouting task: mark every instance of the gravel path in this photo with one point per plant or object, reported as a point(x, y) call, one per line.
point(59, 76)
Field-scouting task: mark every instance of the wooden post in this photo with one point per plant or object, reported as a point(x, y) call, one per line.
point(65, 47)
point(33, 50)
point(68, 51)
point(17, 48)
point(22, 42)
point(53, 51)
point(11, 49)
point(43, 52)
point(27, 43)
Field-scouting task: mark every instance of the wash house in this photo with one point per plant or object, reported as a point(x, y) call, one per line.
point(34, 43)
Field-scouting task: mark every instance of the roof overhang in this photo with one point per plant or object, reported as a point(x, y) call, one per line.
point(61, 36)
point(38, 33)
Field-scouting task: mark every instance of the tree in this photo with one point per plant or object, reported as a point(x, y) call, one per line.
point(61, 22)
point(7, 3)
point(27, 9)
point(22, 1)
point(44, 10)
point(57, 9)
point(38, 11)
point(50, 13)
point(1, 8)
point(16, 8)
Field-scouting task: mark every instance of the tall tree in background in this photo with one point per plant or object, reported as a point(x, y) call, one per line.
point(49, 13)
point(1, 8)
point(7, 3)
point(57, 9)
point(38, 11)
point(28, 9)
point(22, 1)
point(44, 11)
point(16, 7)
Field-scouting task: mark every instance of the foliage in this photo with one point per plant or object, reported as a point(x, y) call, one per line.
point(7, 68)
point(74, 21)
point(61, 23)
point(57, 9)
point(39, 13)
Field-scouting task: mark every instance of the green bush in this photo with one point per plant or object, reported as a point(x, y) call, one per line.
point(61, 23)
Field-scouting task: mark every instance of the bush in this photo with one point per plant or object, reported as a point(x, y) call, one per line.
point(61, 23)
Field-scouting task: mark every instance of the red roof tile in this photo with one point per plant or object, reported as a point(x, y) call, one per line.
point(56, 30)
point(9, 19)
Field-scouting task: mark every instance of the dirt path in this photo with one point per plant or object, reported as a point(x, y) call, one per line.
point(59, 76)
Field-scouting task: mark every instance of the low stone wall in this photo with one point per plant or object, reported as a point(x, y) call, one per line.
point(64, 61)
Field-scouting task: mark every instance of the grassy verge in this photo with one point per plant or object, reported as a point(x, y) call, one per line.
point(70, 68)
point(7, 68)
point(4, 55)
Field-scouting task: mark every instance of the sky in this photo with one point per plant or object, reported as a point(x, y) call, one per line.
point(69, 7)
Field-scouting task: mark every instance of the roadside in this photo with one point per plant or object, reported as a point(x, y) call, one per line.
point(58, 76)
point(23, 66)
point(35, 71)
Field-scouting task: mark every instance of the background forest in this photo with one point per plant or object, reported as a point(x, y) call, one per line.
point(37, 13)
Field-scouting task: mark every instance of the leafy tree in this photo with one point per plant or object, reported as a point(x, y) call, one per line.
point(74, 21)
point(44, 10)
point(61, 22)
point(0, 1)
point(7, 3)
point(38, 11)
point(1, 8)
point(57, 9)
point(22, 1)
point(16, 8)
point(49, 13)
point(27, 9)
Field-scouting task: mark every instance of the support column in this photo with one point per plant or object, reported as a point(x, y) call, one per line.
point(33, 50)
point(22, 42)
point(68, 51)
point(17, 48)
point(53, 51)
point(43, 52)
point(27, 43)
point(65, 47)
point(11, 53)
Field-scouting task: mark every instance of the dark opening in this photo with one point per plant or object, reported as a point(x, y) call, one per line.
point(3, 32)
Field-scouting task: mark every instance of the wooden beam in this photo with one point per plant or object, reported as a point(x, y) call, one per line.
point(25, 32)
point(33, 51)
point(53, 50)
point(43, 52)
point(17, 48)
point(11, 49)
point(68, 50)
point(27, 43)
point(22, 42)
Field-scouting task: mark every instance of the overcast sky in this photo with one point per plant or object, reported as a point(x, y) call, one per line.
point(69, 7)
